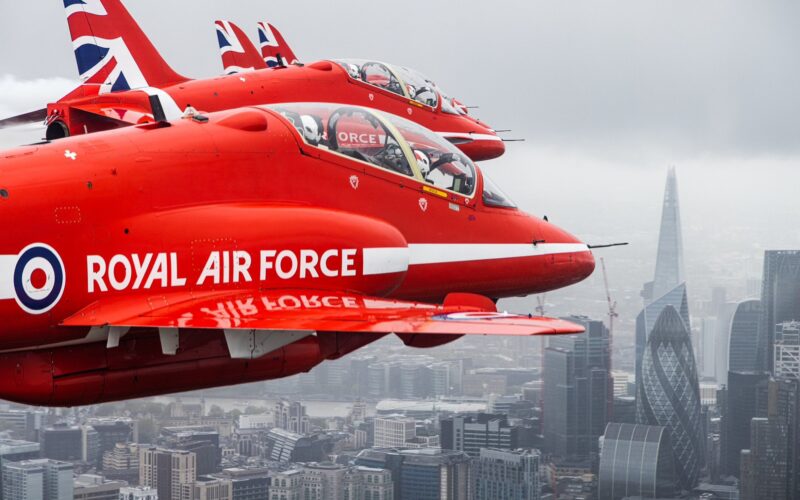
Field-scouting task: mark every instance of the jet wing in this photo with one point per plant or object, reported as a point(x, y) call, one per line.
point(314, 311)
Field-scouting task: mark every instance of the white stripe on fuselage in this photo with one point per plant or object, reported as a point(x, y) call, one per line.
point(398, 259)
point(7, 265)
point(441, 253)
point(470, 136)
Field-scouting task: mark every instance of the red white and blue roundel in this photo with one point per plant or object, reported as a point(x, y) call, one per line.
point(37, 278)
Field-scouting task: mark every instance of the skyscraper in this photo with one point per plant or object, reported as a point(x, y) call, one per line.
point(780, 299)
point(764, 466)
point(669, 261)
point(740, 408)
point(743, 340)
point(668, 393)
point(787, 350)
point(577, 390)
point(667, 287)
point(646, 320)
point(166, 470)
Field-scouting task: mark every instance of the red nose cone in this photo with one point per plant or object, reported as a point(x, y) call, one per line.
point(574, 256)
point(483, 149)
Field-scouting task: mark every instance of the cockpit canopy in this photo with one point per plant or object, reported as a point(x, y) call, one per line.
point(402, 81)
point(383, 140)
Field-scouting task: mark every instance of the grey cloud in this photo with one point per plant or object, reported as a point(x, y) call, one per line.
point(624, 78)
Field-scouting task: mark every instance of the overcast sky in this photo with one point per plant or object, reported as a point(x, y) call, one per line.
point(607, 95)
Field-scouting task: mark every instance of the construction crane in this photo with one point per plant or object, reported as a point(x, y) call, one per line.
point(612, 313)
point(612, 304)
point(540, 312)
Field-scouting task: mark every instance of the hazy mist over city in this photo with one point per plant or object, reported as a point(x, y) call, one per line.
point(606, 95)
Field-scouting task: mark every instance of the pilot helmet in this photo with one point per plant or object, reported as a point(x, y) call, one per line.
point(423, 161)
point(312, 129)
point(354, 71)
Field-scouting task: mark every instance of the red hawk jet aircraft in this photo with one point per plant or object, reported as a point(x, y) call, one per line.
point(126, 81)
point(251, 244)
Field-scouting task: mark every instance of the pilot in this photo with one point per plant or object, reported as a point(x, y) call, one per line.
point(423, 162)
point(189, 112)
point(354, 71)
point(312, 129)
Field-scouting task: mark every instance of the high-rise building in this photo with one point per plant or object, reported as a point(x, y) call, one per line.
point(62, 443)
point(743, 339)
point(202, 441)
point(394, 431)
point(291, 416)
point(787, 350)
point(424, 474)
point(780, 299)
point(668, 285)
point(90, 446)
point(636, 461)
point(24, 424)
point(122, 463)
point(470, 433)
point(669, 260)
point(646, 319)
point(37, 479)
point(166, 470)
point(110, 432)
point(506, 475)
point(577, 390)
point(668, 394)
point(740, 407)
point(777, 401)
point(764, 466)
point(12, 450)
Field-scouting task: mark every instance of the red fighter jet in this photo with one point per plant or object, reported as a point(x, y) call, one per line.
point(126, 81)
point(251, 244)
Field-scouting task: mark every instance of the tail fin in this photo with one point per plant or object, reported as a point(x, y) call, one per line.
point(237, 51)
point(273, 44)
point(111, 50)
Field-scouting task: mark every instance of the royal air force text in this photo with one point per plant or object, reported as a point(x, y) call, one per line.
point(143, 271)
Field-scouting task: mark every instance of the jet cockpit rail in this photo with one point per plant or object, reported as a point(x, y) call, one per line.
point(383, 140)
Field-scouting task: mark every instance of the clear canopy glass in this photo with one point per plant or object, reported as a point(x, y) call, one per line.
point(383, 140)
point(402, 81)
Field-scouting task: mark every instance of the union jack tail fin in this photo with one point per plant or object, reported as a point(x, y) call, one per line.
point(111, 50)
point(237, 51)
point(273, 44)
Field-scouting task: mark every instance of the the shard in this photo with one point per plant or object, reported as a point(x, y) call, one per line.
point(668, 286)
point(669, 261)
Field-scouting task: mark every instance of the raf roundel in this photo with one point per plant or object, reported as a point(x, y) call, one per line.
point(39, 278)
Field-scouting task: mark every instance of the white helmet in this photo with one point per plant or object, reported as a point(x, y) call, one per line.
point(311, 129)
point(424, 161)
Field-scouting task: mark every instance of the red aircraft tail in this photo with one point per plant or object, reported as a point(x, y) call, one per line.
point(111, 50)
point(237, 51)
point(273, 45)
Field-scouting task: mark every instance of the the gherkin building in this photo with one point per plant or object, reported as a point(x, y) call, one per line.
point(669, 394)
